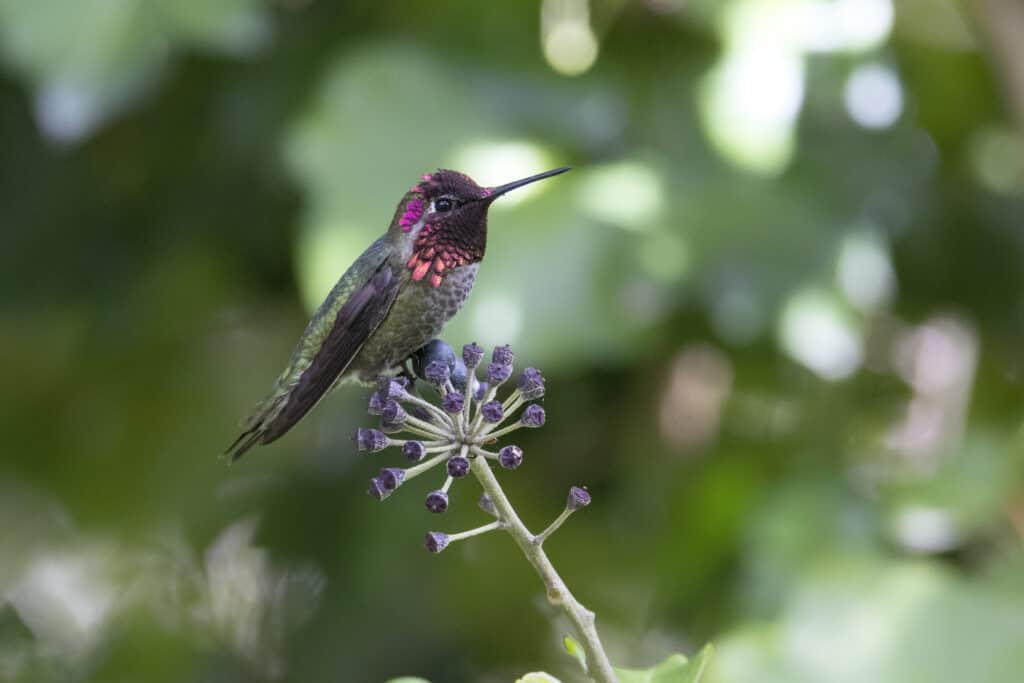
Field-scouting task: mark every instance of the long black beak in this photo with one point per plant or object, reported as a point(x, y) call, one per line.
point(507, 187)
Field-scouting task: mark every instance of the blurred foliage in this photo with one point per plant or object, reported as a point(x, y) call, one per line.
point(779, 302)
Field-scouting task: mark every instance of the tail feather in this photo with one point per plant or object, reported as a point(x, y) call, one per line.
point(244, 442)
point(257, 428)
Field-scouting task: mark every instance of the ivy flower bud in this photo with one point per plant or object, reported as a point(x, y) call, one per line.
point(458, 466)
point(480, 391)
point(510, 457)
point(498, 373)
point(434, 350)
point(531, 384)
point(392, 417)
point(472, 355)
point(370, 440)
point(392, 388)
point(578, 498)
point(503, 355)
point(391, 477)
point(414, 450)
point(375, 406)
point(437, 372)
point(437, 501)
point(460, 375)
point(436, 541)
point(492, 411)
point(533, 416)
point(377, 489)
point(487, 505)
point(453, 402)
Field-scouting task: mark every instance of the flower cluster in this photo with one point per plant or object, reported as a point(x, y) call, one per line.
point(462, 424)
point(468, 419)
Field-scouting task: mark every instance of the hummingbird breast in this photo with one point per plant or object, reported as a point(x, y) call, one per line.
point(419, 313)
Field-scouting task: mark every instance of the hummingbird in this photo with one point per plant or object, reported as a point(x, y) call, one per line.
point(397, 296)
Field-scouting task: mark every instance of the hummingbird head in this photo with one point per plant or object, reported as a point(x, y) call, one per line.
point(445, 218)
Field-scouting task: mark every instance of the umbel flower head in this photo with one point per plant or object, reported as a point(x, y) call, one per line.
point(462, 423)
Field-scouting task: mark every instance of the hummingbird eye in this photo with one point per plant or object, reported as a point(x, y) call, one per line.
point(444, 204)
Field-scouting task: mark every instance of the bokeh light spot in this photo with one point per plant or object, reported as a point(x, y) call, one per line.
point(629, 194)
point(997, 159)
point(844, 25)
point(749, 103)
point(874, 96)
point(570, 45)
point(864, 271)
point(814, 332)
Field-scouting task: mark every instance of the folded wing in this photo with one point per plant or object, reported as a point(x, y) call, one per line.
point(323, 354)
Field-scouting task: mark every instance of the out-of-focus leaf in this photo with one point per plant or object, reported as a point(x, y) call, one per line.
point(675, 669)
point(538, 677)
point(574, 650)
point(88, 58)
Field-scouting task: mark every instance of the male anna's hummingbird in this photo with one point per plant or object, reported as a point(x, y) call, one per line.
point(394, 299)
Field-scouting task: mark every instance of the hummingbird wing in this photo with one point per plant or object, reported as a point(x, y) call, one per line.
point(332, 339)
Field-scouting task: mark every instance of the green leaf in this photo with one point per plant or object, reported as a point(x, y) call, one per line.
point(538, 677)
point(675, 669)
point(574, 650)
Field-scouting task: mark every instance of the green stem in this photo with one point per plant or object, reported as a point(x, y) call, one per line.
point(474, 532)
point(417, 470)
point(600, 669)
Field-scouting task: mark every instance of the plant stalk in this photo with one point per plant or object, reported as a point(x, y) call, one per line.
point(599, 668)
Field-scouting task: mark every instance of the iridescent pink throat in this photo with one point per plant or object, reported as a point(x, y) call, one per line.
point(436, 254)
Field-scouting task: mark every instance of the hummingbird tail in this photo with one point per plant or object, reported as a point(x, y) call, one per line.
point(244, 442)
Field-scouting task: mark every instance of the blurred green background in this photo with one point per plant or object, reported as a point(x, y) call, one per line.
point(779, 302)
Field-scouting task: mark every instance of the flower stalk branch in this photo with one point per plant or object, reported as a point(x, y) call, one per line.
point(558, 593)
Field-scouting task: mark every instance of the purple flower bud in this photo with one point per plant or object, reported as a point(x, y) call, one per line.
point(375, 406)
point(437, 372)
point(392, 388)
point(453, 402)
point(533, 416)
point(391, 477)
point(377, 489)
point(510, 457)
point(578, 498)
point(370, 440)
point(498, 373)
point(458, 466)
point(436, 541)
point(435, 349)
point(414, 450)
point(393, 416)
point(460, 375)
point(531, 384)
point(481, 391)
point(503, 355)
point(472, 355)
point(492, 411)
point(487, 505)
point(437, 501)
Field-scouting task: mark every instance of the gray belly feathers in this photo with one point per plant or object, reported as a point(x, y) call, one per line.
point(418, 315)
